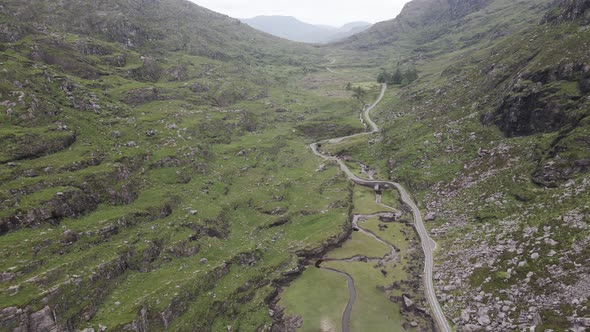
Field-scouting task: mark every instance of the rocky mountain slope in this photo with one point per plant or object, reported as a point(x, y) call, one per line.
point(133, 136)
point(293, 29)
point(163, 25)
point(494, 136)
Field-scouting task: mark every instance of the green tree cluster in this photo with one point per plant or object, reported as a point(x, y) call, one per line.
point(398, 77)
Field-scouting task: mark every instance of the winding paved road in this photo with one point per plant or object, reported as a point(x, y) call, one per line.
point(351, 299)
point(428, 245)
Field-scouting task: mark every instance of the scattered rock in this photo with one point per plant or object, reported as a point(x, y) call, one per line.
point(484, 320)
point(70, 236)
point(6, 276)
point(471, 328)
point(465, 316)
point(31, 173)
point(408, 303)
point(430, 216)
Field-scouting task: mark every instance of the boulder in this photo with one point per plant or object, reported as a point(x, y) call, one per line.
point(408, 303)
point(465, 316)
point(472, 328)
point(6, 276)
point(430, 216)
point(484, 320)
point(43, 320)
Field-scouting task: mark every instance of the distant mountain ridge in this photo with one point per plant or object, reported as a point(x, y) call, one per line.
point(291, 28)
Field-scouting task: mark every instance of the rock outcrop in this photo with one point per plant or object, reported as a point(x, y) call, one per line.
point(26, 320)
point(569, 10)
point(532, 106)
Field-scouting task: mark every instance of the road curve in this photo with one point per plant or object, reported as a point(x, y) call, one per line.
point(351, 298)
point(428, 245)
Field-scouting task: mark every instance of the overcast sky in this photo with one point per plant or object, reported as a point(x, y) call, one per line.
point(329, 12)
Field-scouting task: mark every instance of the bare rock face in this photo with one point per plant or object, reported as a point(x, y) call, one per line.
point(552, 173)
point(531, 106)
point(25, 321)
point(6, 276)
point(569, 10)
point(460, 8)
point(288, 324)
point(140, 96)
point(43, 320)
point(72, 203)
point(524, 112)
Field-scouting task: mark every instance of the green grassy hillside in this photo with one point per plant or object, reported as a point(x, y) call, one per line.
point(152, 170)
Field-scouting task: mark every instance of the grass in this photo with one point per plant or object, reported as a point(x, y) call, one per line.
point(372, 310)
point(319, 297)
point(400, 235)
point(169, 176)
point(364, 201)
point(391, 198)
point(360, 244)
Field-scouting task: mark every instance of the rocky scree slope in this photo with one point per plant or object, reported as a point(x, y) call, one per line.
point(493, 138)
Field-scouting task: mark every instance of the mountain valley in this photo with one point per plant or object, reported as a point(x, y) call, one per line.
point(165, 167)
point(293, 29)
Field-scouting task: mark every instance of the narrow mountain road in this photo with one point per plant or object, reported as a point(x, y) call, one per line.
point(351, 298)
point(428, 245)
point(351, 289)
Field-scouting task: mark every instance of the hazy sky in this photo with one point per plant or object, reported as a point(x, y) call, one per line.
point(329, 12)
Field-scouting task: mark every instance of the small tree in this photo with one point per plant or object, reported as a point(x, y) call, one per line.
point(410, 75)
point(397, 77)
point(384, 77)
point(359, 93)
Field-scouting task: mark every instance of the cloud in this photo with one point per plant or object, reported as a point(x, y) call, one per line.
point(330, 12)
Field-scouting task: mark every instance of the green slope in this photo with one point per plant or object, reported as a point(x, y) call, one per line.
point(148, 173)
